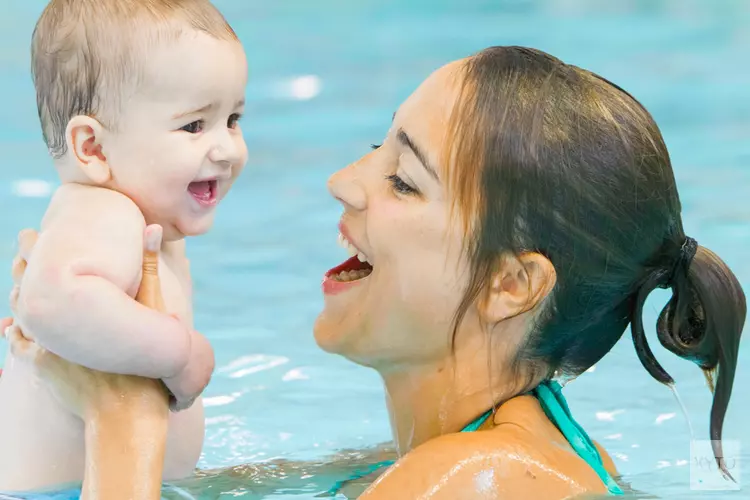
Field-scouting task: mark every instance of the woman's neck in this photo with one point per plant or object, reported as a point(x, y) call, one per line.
point(431, 401)
point(430, 398)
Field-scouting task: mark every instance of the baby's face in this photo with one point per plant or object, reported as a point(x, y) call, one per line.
point(178, 147)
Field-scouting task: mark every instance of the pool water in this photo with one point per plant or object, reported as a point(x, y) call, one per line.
point(326, 77)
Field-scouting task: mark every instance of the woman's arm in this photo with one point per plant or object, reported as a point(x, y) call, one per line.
point(125, 420)
point(125, 451)
point(125, 417)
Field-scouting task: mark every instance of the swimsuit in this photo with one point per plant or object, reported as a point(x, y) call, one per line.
point(555, 406)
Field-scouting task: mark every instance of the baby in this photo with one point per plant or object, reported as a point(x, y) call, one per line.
point(139, 102)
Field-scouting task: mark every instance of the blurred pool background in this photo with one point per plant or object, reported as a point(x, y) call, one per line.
point(326, 77)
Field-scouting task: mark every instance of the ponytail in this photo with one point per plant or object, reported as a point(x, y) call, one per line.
point(702, 322)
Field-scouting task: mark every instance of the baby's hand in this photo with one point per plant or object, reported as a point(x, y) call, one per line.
point(187, 385)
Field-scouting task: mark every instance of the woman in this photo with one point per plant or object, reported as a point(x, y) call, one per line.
point(506, 232)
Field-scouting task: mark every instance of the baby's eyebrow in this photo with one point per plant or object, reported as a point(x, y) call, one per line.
point(204, 109)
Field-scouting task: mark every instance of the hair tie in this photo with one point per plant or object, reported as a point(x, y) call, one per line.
point(684, 259)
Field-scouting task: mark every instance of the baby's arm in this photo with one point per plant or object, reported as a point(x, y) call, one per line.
point(73, 298)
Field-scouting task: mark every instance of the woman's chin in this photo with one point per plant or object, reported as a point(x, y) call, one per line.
point(328, 334)
point(338, 335)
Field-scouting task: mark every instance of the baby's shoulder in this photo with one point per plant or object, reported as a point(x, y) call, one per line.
point(78, 204)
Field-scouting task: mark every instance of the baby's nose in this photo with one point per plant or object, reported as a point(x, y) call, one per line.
point(225, 150)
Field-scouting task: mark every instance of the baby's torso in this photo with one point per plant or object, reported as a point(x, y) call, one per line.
point(42, 444)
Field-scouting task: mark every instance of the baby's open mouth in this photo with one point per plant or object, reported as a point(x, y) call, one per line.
point(204, 192)
point(357, 267)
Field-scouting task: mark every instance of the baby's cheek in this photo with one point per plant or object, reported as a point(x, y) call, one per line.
point(242, 148)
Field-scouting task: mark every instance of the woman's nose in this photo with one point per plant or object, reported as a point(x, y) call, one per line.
point(346, 187)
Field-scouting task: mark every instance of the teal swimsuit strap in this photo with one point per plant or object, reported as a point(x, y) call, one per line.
point(369, 469)
point(476, 424)
point(555, 406)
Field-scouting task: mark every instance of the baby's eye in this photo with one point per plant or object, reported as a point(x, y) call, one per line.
point(233, 120)
point(194, 127)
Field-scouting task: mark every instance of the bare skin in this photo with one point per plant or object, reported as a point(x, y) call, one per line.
point(167, 158)
point(116, 409)
point(398, 321)
point(525, 452)
point(521, 454)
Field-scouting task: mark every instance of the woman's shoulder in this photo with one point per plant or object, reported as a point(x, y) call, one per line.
point(523, 456)
point(498, 463)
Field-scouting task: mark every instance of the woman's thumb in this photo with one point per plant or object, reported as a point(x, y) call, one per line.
point(151, 246)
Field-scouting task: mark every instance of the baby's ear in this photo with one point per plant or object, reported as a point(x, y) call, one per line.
point(83, 136)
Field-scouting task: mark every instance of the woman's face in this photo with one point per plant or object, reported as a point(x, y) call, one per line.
point(397, 216)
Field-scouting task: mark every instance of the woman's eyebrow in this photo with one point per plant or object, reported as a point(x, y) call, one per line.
point(404, 139)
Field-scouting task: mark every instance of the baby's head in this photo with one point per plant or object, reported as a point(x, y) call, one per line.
point(143, 97)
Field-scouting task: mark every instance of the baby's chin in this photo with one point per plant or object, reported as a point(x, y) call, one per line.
point(187, 228)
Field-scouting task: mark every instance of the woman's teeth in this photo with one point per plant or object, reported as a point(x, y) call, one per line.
point(343, 242)
point(355, 271)
point(352, 275)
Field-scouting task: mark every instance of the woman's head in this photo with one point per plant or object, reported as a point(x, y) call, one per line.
point(553, 210)
point(396, 214)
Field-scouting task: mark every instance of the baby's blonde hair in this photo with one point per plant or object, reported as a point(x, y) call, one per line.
point(86, 54)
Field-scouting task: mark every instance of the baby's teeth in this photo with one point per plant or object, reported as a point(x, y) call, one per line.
point(361, 257)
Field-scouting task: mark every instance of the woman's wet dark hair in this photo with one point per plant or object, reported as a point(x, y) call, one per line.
point(551, 158)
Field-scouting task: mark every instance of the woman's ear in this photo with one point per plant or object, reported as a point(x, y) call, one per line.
point(84, 139)
point(519, 285)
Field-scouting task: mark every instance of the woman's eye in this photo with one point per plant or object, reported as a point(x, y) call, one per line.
point(233, 120)
point(194, 127)
point(398, 185)
point(375, 146)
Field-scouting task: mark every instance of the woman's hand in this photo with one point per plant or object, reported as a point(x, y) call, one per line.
point(125, 417)
point(79, 389)
point(26, 241)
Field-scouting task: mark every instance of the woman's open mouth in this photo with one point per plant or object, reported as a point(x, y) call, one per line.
point(349, 272)
point(204, 192)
